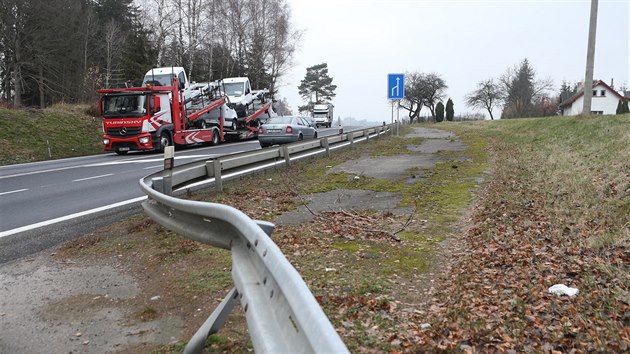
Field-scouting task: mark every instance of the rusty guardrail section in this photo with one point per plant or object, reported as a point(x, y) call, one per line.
point(282, 314)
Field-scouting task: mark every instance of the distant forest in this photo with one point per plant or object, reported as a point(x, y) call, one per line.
point(63, 50)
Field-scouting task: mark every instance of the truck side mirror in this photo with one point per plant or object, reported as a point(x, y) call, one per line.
point(156, 104)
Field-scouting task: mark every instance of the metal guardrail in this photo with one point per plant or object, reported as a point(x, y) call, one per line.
point(220, 169)
point(282, 314)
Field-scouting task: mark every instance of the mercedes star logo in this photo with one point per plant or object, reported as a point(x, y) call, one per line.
point(123, 131)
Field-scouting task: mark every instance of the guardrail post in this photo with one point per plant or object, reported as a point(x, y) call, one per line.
point(351, 138)
point(167, 184)
point(218, 183)
point(285, 153)
point(326, 146)
point(210, 168)
point(367, 134)
point(157, 183)
point(212, 324)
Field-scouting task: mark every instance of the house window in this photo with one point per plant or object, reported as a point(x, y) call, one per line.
point(594, 93)
point(597, 112)
point(602, 93)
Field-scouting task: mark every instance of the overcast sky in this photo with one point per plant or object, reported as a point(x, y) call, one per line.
point(463, 41)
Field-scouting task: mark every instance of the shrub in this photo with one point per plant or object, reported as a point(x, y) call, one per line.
point(439, 112)
point(450, 112)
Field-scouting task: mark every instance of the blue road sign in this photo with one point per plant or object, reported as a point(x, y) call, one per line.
point(395, 86)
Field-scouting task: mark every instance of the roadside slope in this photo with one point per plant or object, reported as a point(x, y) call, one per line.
point(60, 131)
point(557, 211)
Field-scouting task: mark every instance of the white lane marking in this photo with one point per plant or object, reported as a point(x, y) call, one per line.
point(151, 160)
point(50, 161)
point(126, 161)
point(36, 172)
point(93, 177)
point(15, 191)
point(60, 169)
point(69, 217)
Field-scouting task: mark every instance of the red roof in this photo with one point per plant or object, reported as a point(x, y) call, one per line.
point(580, 93)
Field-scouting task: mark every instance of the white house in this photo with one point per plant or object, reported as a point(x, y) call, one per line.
point(605, 100)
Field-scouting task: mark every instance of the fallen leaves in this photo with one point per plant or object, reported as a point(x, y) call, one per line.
point(495, 298)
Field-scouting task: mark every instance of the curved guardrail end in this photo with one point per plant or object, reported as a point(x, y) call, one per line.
point(267, 226)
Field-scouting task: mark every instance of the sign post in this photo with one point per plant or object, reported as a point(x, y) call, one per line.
point(395, 89)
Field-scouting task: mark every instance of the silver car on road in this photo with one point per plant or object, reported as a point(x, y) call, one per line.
point(285, 129)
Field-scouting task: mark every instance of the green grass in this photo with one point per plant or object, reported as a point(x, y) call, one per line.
point(60, 131)
point(203, 281)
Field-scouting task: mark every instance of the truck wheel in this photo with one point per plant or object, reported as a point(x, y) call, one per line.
point(165, 140)
point(234, 124)
point(215, 137)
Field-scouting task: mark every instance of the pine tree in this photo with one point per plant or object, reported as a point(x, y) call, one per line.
point(625, 107)
point(318, 82)
point(439, 112)
point(450, 112)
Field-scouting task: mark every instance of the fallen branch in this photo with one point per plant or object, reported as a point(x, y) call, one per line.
point(374, 231)
point(408, 220)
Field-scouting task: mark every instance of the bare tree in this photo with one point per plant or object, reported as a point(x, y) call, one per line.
point(113, 42)
point(423, 90)
point(282, 107)
point(434, 91)
point(487, 96)
point(159, 16)
point(413, 95)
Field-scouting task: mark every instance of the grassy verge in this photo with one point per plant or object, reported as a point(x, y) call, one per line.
point(28, 135)
point(557, 210)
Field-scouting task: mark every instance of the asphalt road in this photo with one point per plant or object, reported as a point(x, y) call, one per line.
point(45, 203)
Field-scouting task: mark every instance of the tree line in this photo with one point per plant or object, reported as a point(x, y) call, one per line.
point(63, 50)
point(518, 92)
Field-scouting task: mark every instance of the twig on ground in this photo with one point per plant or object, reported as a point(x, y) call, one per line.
point(374, 231)
point(408, 220)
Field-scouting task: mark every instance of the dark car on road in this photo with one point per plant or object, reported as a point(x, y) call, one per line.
point(285, 129)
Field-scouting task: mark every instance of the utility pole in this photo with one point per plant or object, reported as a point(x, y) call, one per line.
point(590, 60)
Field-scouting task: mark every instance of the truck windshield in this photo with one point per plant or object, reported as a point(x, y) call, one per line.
point(234, 88)
point(158, 80)
point(125, 106)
